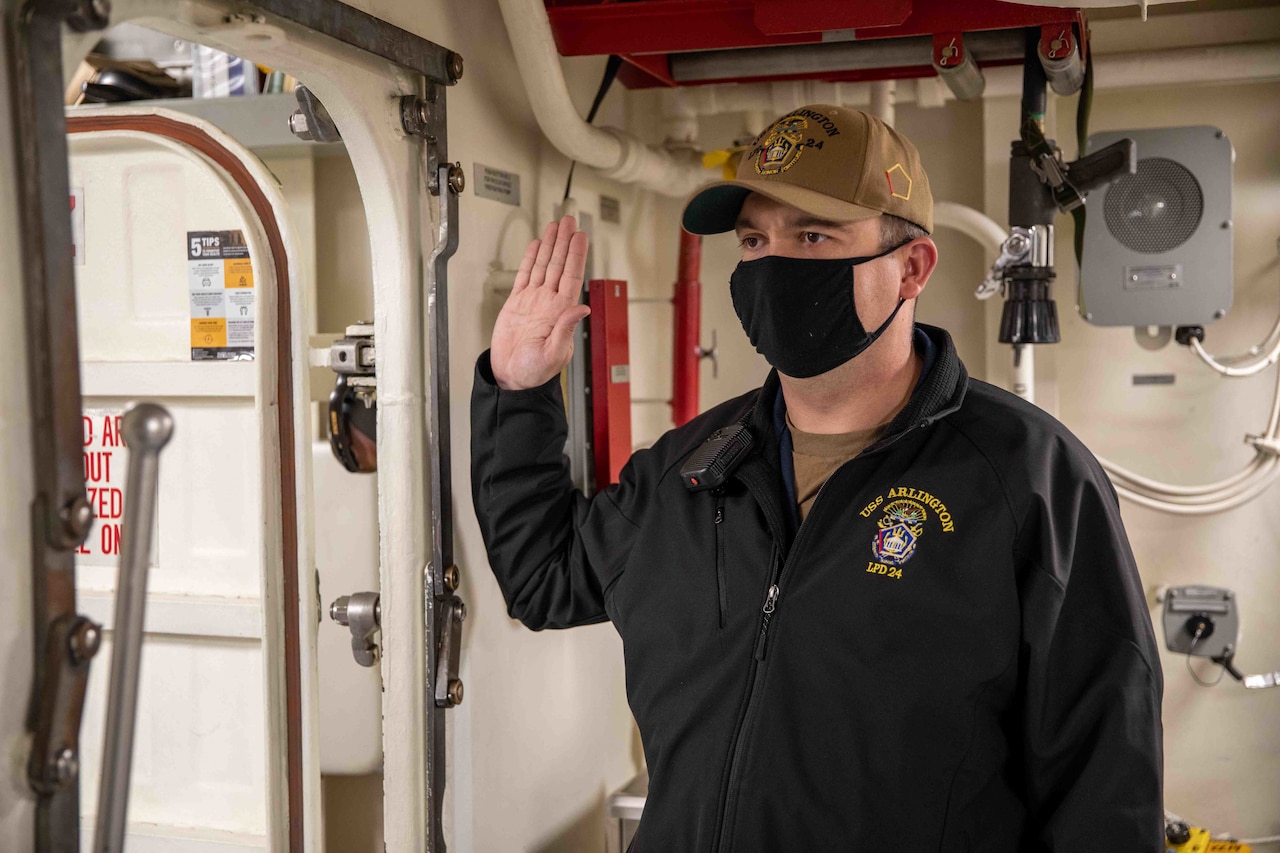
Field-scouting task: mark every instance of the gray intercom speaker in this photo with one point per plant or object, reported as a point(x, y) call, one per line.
point(1157, 243)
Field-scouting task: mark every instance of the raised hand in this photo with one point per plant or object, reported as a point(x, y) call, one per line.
point(533, 336)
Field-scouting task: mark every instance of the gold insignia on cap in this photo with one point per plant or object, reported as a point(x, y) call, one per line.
point(903, 179)
point(783, 146)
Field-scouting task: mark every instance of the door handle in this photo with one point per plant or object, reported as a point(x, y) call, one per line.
point(147, 428)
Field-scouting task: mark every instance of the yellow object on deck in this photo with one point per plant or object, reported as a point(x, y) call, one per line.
point(1200, 842)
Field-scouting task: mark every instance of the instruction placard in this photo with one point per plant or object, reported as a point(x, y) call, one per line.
point(105, 472)
point(220, 281)
point(497, 184)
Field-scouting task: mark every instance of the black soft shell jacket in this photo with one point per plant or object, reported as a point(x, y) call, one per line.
point(952, 653)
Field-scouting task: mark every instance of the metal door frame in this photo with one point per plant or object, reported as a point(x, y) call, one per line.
point(381, 69)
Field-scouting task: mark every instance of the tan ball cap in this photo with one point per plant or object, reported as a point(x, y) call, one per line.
point(831, 162)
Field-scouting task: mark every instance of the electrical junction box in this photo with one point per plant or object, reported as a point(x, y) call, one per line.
point(1157, 243)
point(1210, 607)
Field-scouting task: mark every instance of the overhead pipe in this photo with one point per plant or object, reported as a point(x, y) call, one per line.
point(973, 224)
point(1248, 62)
point(829, 57)
point(884, 98)
point(615, 153)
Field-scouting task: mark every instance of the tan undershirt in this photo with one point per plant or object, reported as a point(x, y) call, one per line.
point(816, 455)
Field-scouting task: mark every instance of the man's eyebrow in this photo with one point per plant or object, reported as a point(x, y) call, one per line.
point(815, 222)
point(745, 223)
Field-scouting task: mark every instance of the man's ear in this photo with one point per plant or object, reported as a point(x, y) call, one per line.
point(919, 257)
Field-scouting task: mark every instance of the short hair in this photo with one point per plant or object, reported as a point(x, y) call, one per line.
point(895, 231)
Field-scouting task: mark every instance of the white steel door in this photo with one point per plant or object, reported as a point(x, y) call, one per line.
point(183, 256)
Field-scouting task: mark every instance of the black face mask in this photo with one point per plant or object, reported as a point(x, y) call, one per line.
point(799, 312)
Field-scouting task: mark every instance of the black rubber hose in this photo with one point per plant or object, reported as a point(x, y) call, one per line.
point(610, 73)
point(1033, 79)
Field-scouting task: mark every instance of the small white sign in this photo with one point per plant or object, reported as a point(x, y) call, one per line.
point(497, 184)
point(610, 209)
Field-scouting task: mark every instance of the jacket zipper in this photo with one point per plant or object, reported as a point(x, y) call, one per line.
point(722, 591)
point(736, 744)
point(774, 590)
point(767, 612)
point(772, 594)
point(770, 603)
point(770, 607)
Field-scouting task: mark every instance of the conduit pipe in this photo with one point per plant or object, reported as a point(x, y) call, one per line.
point(972, 223)
point(884, 98)
point(617, 154)
point(1256, 61)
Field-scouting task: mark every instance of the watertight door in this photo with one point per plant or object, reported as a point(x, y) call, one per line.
point(183, 253)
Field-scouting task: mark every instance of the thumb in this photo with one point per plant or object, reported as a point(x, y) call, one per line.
point(561, 337)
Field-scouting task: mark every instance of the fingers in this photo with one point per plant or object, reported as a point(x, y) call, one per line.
point(558, 260)
point(564, 235)
point(575, 266)
point(526, 266)
point(539, 271)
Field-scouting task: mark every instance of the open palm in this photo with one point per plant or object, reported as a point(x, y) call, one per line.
point(533, 336)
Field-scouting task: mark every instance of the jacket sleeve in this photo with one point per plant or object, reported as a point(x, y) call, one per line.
point(553, 550)
point(1091, 681)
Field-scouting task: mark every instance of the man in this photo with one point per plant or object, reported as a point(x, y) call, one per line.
point(909, 618)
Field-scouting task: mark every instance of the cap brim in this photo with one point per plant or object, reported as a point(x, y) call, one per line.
point(714, 209)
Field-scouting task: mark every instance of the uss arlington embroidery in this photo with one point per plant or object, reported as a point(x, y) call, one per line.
point(901, 527)
point(782, 147)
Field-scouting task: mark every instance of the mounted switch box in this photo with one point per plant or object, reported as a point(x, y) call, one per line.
point(1201, 621)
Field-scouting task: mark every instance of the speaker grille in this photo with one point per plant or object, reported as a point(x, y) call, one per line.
point(1155, 210)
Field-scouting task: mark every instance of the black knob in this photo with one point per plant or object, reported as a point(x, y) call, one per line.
point(1177, 832)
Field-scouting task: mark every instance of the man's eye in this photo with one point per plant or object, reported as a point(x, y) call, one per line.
point(814, 238)
point(749, 242)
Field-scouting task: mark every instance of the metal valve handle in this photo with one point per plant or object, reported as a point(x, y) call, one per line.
point(713, 353)
point(146, 428)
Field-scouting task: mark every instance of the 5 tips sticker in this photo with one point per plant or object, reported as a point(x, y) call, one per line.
point(220, 281)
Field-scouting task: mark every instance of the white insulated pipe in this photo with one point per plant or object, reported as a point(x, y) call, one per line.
point(1024, 371)
point(884, 98)
point(972, 223)
point(1220, 64)
point(615, 153)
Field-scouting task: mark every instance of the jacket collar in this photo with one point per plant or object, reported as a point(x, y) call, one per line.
point(939, 393)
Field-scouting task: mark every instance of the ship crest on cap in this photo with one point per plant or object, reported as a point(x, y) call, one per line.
point(781, 149)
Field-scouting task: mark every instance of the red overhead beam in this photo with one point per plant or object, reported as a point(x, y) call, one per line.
point(596, 27)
